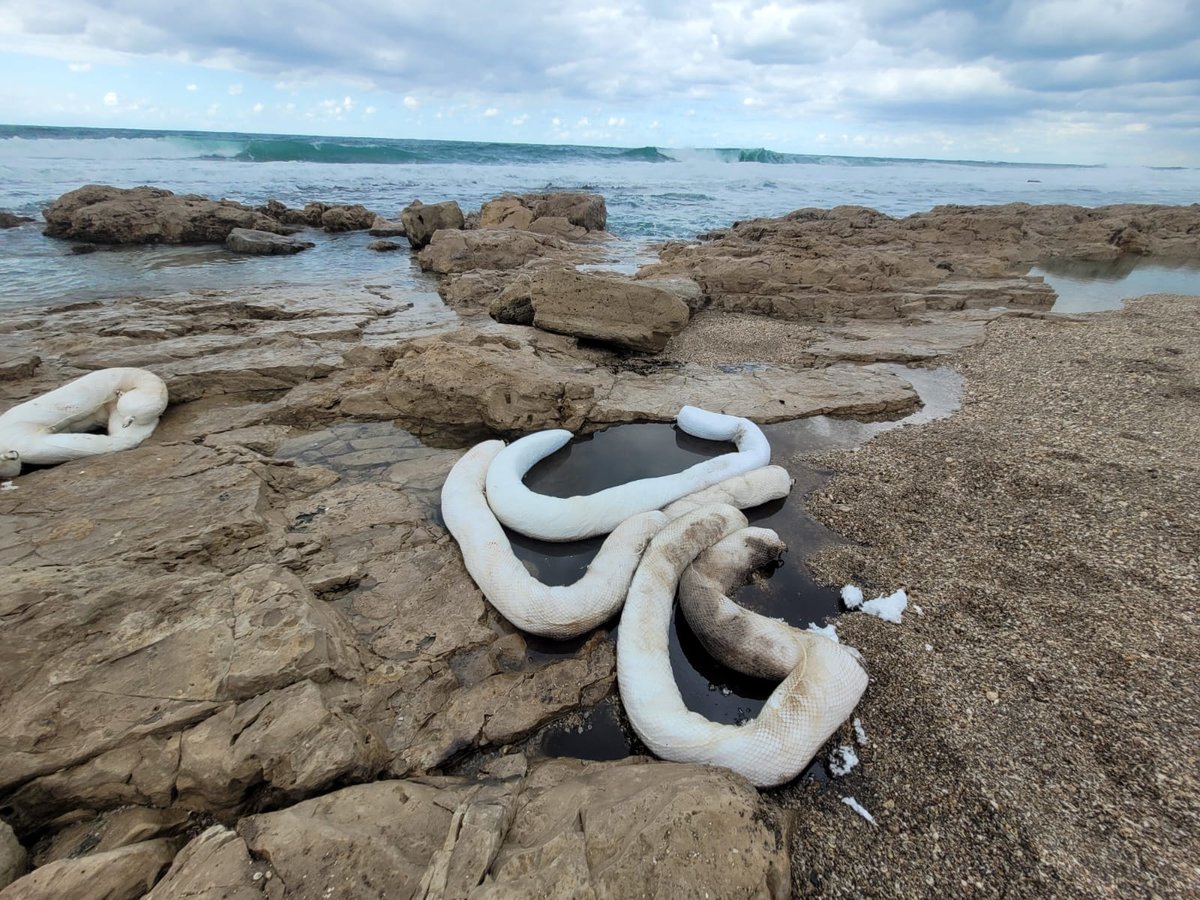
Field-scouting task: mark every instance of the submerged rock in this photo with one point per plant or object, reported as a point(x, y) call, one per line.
point(386, 228)
point(12, 220)
point(264, 243)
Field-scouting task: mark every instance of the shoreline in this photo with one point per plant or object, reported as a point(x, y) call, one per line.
point(326, 597)
point(1034, 730)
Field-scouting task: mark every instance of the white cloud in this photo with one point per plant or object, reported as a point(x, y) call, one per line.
point(370, 110)
point(111, 99)
point(491, 112)
point(521, 119)
point(191, 87)
point(820, 66)
point(258, 107)
point(235, 90)
point(80, 67)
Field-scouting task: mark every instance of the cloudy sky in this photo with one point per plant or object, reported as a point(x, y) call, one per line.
point(1095, 81)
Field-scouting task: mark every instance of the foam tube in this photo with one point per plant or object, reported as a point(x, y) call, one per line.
point(574, 518)
point(51, 428)
point(799, 716)
point(559, 611)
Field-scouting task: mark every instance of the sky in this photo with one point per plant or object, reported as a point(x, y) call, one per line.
point(1075, 81)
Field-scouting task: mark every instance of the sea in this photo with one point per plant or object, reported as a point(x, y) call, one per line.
point(653, 194)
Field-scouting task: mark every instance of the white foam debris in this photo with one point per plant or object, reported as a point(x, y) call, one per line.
point(852, 596)
point(929, 648)
point(828, 631)
point(918, 610)
point(7, 486)
point(860, 809)
point(889, 608)
point(860, 733)
point(841, 760)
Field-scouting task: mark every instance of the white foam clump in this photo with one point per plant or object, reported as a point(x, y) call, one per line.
point(852, 596)
point(889, 608)
point(860, 809)
point(842, 760)
point(828, 631)
point(7, 486)
point(860, 733)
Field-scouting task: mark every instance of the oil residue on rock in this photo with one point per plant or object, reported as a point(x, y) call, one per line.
point(372, 451)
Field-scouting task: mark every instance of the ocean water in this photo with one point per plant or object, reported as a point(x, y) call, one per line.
point(653, 194)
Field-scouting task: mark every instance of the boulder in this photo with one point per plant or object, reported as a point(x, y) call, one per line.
point(12, 220)
point(215, 865)
point(386, 228)
point(121, 874)
point(451, 252)
point(347, 218)
point(608, 309)
point(421, 222)
point(146, 215)
point(13, 857)
point(566, 214)
point(384, 246)
point(264, 243)
point(565, 829)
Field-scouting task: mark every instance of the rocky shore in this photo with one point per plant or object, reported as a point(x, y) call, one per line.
point(232, 673)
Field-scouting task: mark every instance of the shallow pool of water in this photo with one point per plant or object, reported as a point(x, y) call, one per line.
point(1093, 286)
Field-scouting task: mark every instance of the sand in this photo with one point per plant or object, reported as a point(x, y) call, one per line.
point(1035, 731)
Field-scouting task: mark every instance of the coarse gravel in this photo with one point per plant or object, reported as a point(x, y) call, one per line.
point(1034, 729)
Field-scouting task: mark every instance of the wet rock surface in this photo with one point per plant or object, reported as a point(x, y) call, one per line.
point(147, 215)
point(264, 243)
point(855, 262)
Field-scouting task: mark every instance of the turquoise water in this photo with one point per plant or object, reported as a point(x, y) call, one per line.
point(653, 194)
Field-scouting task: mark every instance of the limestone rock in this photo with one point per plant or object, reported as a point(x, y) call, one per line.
point(566, 214)
point(383, 246)
point(12, 220)
point(264, 243)
point(18, 365)
point(121, 874)
point(347, 218)
point(386, 228)
point(290, 741)
point(13, 857)
point(466, 251)
point(607, 309)
point(566, 829)
point(215, 865)
point(146, 215)
point(855, 262)
point(422, 221)
point(110, 830)
point(511, 384)
point(506, 212)
point(638, 830)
